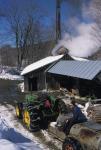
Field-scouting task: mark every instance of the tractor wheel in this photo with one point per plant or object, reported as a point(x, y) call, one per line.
point(71, 144)
point(31, 118)
point(43, 122)
point(19, 110)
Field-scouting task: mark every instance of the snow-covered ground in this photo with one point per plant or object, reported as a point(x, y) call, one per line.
point(10, 76)
point(21, 87)
point(13, 136)
point(10, 73)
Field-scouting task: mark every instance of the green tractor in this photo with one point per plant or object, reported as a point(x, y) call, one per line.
point(37, 111)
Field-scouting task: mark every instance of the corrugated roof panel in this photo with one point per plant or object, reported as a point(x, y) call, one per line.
point(80, 69)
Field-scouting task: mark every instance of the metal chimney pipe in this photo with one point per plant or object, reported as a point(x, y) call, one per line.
point(58, 21)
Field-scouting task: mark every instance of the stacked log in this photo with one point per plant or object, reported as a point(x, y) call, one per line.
point(94, 113)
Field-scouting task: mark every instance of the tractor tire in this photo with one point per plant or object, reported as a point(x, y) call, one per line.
point(31, 118)
point(19, 110)
point(71, 144)
point(43, 123)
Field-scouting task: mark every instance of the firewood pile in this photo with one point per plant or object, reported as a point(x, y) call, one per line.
point(94, 113)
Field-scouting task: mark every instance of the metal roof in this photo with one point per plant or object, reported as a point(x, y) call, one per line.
point(78, 58)
point(80, 69)
point(41, 63)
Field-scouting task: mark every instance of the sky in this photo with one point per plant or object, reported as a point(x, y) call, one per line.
point(47, 6)
point(4, 26)
point(76, 23)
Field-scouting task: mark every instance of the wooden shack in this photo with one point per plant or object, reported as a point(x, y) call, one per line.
point(81, 76)
point(35, 73)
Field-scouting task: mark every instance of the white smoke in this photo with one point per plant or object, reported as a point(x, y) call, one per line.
point(83, 45)
point(86, 41)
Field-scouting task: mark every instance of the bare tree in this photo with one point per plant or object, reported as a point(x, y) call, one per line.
point(29, 32)
point(8, 56)
point(95, 13)
point(23, 25)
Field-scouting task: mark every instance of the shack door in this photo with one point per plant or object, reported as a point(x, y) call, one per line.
point(33, 84)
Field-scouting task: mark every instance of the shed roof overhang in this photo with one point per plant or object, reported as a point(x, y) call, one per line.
point(40, 64)
point(79, 69)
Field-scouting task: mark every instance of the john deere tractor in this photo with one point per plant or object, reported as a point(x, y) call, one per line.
point(37, 111)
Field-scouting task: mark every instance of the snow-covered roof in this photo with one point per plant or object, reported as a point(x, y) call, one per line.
point(41, 63)
point(78, 58)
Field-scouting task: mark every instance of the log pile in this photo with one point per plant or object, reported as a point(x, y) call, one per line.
point(94, 113)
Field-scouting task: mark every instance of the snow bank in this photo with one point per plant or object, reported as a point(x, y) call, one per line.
point(10, 73)
point(21, 87)
point(7, 145)
point(36, 141)
point(10, 77)
point(12, 134)
point(10, 139)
